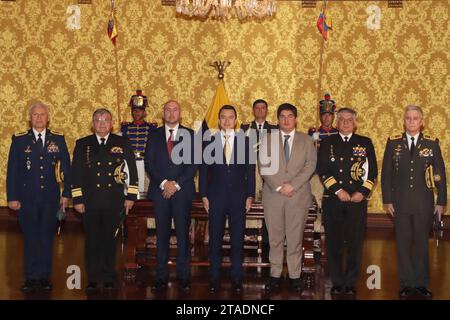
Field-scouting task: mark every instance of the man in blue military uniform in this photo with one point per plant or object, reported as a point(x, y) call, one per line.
point(413, 168)
point(101, 190)
point(326, 129)
point(137, 132)
point(347, 166)
point(38, 161)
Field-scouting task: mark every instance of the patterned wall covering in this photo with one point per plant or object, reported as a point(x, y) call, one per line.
point(378, 72)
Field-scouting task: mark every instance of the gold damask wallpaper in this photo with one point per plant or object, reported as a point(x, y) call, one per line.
point(61, 55)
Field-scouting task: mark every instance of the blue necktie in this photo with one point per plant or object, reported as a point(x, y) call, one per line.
point(287, 152)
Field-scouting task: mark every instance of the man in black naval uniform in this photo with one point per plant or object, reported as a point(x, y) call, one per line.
point(98, 191)
point(348, 168)
point(38, 161)
point(138, 132)
point(256, 130)
point(412, 168)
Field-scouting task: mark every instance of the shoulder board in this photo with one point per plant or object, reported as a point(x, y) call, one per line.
point(124, 123)
point(56, 133)
point(395, 136)
point(18, 134)
point(429, 137)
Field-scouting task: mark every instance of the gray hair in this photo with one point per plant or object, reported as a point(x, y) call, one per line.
point(101, 111)
point(38, 104)
point(413, 107)
point(346, 110)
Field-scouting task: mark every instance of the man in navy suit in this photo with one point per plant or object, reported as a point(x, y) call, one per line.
point(227, 187)
point(38, 160)
point(171, 189)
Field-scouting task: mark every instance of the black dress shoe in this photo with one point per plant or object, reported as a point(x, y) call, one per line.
point(350, 291)
point(423, 292)
point(109, 286)
point(92, 287)
point(237, 287)
point(45, 285)
point(185, 285)
point(213, 285)
point(29, 285)
point(406, 292)
point(159, 285)
point(336, 290)
point(296, 285)
point(273, 285)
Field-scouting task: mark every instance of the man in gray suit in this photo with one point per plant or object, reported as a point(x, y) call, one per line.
point(287, 160)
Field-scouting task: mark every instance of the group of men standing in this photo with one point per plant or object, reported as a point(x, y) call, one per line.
point(103, 182)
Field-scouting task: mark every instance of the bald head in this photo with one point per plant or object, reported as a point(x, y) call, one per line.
point(172, 113)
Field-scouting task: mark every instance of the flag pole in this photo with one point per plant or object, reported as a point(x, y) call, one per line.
point(117, 85)
point(319, 80)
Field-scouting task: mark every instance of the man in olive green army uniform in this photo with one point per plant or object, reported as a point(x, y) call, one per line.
point(412, 168)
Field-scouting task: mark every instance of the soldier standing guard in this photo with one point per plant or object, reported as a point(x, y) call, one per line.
point(38, 159)
point(326, 129)
point(137, 132)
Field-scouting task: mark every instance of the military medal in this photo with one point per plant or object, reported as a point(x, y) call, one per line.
point(28, 164)
point(332, 159)
point(28, 149)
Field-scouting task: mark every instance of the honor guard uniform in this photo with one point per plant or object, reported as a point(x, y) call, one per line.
point(325, 106)
point(137, 132)
point(38, 165)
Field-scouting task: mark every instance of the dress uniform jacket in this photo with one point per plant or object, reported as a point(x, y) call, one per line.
point(95, 181)
point(403, 179)
point(137, 134)
point(340, 164)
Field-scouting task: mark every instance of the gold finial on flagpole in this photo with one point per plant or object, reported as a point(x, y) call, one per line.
point(220, 67)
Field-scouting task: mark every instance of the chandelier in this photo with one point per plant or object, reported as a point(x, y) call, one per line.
point(223, 9)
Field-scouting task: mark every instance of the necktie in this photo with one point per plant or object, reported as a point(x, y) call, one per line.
point(227, 149)
point(345, 139)
point(259, 127)
point(412, 147)
point(170, 143)
point(40, 142)
point(287, 153)
point(102, 143)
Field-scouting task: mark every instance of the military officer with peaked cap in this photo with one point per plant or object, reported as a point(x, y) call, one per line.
point(38, 163)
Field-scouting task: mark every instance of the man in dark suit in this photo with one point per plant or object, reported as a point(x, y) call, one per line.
point(348, 168)
point(227, 187)
point(412, 168)
point(171, 190)
point(38, 158)
point(102, 189)
point(256, 130)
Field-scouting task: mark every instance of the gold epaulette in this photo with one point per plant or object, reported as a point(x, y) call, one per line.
point(395, 136)
point(18, 134)
point(429, 137)
point(56, 133)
